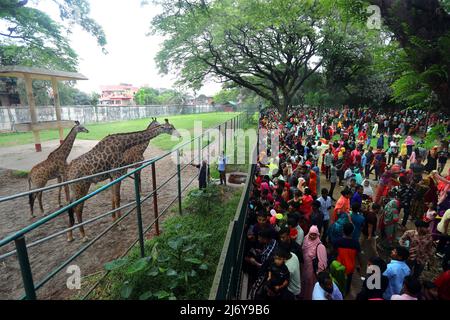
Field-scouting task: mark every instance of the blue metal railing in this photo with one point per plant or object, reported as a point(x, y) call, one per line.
point(21, 248)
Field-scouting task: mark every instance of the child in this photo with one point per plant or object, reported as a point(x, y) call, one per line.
point(431, 213)
point(420, 245)
point(306, 206)
point(278, 276)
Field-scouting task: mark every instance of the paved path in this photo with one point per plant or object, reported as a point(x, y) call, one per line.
point(24, 157)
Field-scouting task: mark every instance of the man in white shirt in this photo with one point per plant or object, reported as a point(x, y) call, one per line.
point(325, 206)
point(348, 174)
point(326, 289)
point(293, 266)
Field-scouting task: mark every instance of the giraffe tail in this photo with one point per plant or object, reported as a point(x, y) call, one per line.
point(30, 197)
point(71, 216)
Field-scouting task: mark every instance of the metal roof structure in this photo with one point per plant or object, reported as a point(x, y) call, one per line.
point(39, 73)
point(31, 73)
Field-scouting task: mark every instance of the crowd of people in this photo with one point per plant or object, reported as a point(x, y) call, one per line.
point(349, 204)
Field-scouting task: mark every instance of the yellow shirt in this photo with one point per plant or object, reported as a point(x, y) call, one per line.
point(440, 226)
point(403, 150)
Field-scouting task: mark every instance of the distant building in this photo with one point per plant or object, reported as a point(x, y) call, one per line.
point(199, 100)
point(121, 95)
point(229, 106)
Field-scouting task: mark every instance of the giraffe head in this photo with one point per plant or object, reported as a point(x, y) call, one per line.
point(170, 129)
point(153, 124)
point(80, 128)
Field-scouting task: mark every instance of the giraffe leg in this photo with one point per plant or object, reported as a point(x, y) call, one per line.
point(79, 192)
point(67, 192)
point(31, 199)
point(41, 207)
point(79, 213)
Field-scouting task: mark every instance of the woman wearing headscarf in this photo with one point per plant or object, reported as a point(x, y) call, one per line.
point(409, 145)
point(368, 191)
point(432, 159)
point(375, 130)
point(312, 248)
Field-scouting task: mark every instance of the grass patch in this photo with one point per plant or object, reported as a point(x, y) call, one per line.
point(98, 131)
point(20, 173)
point(181, 262)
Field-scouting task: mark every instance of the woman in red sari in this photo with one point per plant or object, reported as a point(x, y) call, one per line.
point(387, 181)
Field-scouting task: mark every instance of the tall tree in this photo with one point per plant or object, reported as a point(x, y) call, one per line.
point(270, 47)
point(422, 29)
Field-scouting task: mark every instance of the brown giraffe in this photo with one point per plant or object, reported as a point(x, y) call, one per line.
point(54, 167)
point(106, 155)
point(136, 154)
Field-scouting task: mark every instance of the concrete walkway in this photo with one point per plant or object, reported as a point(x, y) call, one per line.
point(24, 157)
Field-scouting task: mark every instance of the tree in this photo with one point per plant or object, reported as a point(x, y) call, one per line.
point(265, 46)
point(94, 99)
point(30, 37)
point(146, 96)
point(422, 29)
point(225, 95)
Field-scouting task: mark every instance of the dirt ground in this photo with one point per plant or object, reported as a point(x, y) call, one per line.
point(45, 257)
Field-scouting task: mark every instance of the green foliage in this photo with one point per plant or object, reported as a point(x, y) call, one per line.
point(20, 173)
point(199, 201)
point(30, 37)
point(149, 96)
point(225, 95)
point(98, 131)
point(437, 134)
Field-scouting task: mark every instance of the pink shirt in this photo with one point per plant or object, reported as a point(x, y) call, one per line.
point(402, 297)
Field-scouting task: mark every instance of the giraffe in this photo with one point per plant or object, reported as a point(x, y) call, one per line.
point(136, 154)
point(106, 155)
point(53, 167)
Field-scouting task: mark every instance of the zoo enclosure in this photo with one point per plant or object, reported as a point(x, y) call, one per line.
point(10, 116)
point(227, 280)
point(18, 239)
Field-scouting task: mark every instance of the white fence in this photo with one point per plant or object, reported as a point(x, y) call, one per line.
point(9, 116)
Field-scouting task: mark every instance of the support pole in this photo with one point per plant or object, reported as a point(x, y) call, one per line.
point(25, 268)
point(179, 182)
point(33, 114)
point(57, 104)
point(155, 199)
point(139, 213)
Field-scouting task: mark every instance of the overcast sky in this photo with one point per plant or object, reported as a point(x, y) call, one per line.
point(131, 53)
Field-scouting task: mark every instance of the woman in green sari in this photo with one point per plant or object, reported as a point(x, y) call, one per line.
point(389, 219)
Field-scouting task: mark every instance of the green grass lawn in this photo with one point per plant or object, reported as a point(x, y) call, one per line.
point(101, 130)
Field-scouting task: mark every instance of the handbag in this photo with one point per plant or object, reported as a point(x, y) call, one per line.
point(315, 260)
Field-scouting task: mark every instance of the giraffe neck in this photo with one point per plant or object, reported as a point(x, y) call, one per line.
point(64, 149)
point(129, 140)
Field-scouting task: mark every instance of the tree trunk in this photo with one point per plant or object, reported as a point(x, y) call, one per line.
point(283, 109)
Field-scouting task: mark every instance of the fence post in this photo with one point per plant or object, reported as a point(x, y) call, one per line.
point(139, 213)
point(220, 134)
point(155, 199)
point(208, 148)
point(200, 149)
point(225, 138)
point(25, 268)
point(179, 181)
